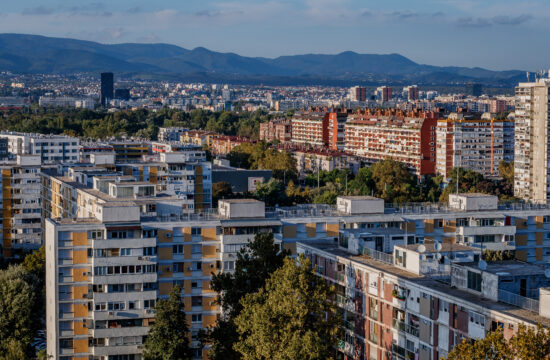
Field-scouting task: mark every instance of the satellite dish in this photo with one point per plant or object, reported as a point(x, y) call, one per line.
point(421, 249)
point(439, 256)
point(438, 246)
point(482, 265)
point(547, 273)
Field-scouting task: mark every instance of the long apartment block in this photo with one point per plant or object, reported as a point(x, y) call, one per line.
point(110, 258)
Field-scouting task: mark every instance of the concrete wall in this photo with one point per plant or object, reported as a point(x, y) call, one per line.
point(241, 209)
point(360, 205)
point(473, 203)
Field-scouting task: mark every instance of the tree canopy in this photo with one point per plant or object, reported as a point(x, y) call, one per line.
point(168, 337)
point(290, 317)
point(526, 344)
point(253, 266)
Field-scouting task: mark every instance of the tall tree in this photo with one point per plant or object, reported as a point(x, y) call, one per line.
point(168, 337)
point(290, 317)
point(19, 293)
point(253, 266)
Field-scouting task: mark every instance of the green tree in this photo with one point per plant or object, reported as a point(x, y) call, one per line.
point(506, 171)
point(394, 183)
point(19, 294)
point(168, 337)
point(272, 193)
point(14, 350)
point(290, 317)
point(35, 262)
point(220, 190)
point(253, 266)
point(527, 344)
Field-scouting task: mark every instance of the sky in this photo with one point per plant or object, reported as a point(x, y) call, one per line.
point(494, 34)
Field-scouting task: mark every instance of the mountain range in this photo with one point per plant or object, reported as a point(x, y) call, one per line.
point(47, 55)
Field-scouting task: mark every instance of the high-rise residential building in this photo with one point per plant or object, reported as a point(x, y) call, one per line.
point(473, 89)
point(51, 148)
point(310, 128)
point(358, 93)
point(114, 245)
point(107, 88)
point(411, 92)
point(531, 160)
point(384, 93)
point(405, 137)
point(474, 144)
point(322, 128)
point(21, 207)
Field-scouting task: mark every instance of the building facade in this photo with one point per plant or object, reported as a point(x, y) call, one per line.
point(51, 148)
point(405, 137)
point(531, 161)
point(474, 144)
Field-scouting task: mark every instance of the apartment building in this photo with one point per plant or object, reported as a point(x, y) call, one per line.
point(312, 160)
point(358, 93)
point(278, 129)
point(531, 170)
point(171, 133)
point(391, 311)
point(21, 209)
point(222, 145)
point(110, 260)
point(51, 148)
point(335, 128)
point(474, 144)
point(409, 138)
point(310, 128)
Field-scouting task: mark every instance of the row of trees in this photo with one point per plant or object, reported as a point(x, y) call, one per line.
point(142, 122)
point(274, 307)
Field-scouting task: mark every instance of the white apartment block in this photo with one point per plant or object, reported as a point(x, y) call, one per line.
point(473, 144)
point(51, 148)
point(531, 161)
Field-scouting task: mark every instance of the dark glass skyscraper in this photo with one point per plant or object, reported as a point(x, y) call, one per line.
point(107, 87)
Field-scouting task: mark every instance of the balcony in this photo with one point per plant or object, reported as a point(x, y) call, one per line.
point(401, 326)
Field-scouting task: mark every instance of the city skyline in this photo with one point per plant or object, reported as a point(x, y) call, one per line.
point(443, 30)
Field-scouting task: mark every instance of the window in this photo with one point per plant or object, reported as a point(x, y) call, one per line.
point(229, 265)
point(474, 281)
point(196, 301)
point(125, 252)
point(196, 318)
point(195, 231)
point(196, 249)
point(177, 249)
point(149, 304)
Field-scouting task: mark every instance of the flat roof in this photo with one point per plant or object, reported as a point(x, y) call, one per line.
point(445, 247)
point(240, 201)
point(364, 197)
point(444, 289)
point(508, 267)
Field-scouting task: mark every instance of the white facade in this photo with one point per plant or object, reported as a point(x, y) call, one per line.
point(51, 148)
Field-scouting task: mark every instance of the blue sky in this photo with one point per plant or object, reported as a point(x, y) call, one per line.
point(495, 34)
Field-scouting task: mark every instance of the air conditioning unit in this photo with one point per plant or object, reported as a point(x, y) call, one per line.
point(140, 257)
point(89, 273)
point(189, 268)
point(111, 312)
point(84, 296)
point(149, 311)
point(147, 258)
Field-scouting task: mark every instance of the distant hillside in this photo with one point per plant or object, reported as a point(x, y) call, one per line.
point(40, 54)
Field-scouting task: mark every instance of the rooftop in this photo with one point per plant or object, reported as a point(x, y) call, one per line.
point(445, 247)
point(442, 288)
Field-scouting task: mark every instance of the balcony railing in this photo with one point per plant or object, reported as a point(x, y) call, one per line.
point(401, 326)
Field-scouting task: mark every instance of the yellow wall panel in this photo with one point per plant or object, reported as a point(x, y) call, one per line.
point(80, 310)
point(521, 224)
point(429, 226)
point(291, 247)
point(311, 230)
point(521, 240)
point(208, 268)
point(165, 253)
point(79, 328)
point(208, 320)
point(208, 234)
point(80, 274)
point(521, 255)
point(165, 287)
point(80, 292)
point(186, 234)
point(538, 253)
point(80, 256)
point(187, 251)
point(165, 236)
point(209, 251)
point(332, 229)
point(209, 304)
point(80, 346)
point(187, 303)
point(539, 221)
point(79, 238)
point(539, 237)
point(187, 286)
point(289, 231)
point(206, 287)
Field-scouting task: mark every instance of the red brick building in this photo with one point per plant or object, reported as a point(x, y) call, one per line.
point(320, 129)
point(278, 129)
point(405, 137)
